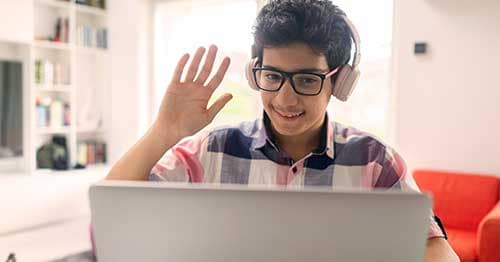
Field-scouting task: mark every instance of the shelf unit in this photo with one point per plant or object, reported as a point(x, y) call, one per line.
point(53, 88)
point(85, 87)
point(51, 45)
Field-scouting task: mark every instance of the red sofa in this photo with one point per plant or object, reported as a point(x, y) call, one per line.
point(469, 207)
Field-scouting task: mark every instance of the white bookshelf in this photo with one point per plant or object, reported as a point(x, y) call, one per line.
point(55, 3)
point(51, 45)
point(61, 130)
point(61, 88)
point(92, 51)
point(86, 84)
point(91, 10)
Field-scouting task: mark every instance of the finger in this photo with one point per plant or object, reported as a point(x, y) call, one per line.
point(193, 68)
point(207, 67)
point(221, 72)
point(179, 68)
point(218, 105)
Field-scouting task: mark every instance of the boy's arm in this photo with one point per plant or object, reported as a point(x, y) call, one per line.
point(438, 250)
point(183, 112)
point(137, 163)
point(395, 173)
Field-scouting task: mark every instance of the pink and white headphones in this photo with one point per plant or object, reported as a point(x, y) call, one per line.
point(347, 77)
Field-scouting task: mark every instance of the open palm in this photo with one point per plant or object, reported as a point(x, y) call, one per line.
point(184, 109)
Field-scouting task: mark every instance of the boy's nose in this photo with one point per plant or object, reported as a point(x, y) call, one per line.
point(286, 95)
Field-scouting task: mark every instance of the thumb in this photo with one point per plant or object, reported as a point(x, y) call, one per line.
point(217, 106)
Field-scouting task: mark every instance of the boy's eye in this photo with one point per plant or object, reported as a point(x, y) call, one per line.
point(272, 77)
point(307, 80)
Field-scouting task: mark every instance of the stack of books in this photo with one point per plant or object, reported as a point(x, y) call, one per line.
point(91, 152)
point(88, 36)
point(60, 33)
point(52, 112)
point(50, 73)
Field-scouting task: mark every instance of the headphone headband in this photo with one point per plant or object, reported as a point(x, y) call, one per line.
point(356, 40)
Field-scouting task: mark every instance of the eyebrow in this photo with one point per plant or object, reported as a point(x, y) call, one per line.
point(302, 70)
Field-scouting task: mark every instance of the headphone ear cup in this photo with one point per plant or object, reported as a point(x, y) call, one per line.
point(345, 82)
point(249, 73)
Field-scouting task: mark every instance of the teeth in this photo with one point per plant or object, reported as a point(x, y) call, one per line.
point(289, 115)
point(294, 115)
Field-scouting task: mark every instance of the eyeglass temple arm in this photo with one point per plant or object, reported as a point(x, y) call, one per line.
point(332, 72)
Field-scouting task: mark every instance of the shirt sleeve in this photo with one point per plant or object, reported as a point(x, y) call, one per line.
point(182, 162)
point(394, 175)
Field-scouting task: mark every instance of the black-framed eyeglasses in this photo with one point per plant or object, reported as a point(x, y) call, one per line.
point(303, 83)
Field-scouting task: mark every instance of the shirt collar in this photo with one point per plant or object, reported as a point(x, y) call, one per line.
point(265, 137)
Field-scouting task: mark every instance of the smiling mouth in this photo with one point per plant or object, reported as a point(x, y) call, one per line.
point(289, 115)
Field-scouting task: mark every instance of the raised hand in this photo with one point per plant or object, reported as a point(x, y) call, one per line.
point(184, 108)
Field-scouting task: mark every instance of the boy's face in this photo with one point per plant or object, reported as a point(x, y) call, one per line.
point(292, 114)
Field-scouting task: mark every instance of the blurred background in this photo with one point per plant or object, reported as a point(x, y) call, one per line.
point(82, 80)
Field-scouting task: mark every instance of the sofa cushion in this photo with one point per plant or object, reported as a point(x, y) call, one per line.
point(460, 200)
point(464, 244)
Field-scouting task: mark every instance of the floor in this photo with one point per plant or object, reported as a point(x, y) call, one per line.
point(86, 256)
point(45, 217)
point(48, 243)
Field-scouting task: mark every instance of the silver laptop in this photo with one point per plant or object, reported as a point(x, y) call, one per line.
point(144, 221)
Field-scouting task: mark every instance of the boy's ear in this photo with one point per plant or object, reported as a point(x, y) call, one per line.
point(345, 82)
point(254, 62)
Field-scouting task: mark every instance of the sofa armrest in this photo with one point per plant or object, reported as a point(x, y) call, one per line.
point(488, 241)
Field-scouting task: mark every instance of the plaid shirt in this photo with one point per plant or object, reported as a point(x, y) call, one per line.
point(246, 154)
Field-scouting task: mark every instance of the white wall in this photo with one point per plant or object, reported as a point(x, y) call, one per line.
point(448, 101)
point(16, 20)
point(37, 203)
point(31, 201)
point(128, 42)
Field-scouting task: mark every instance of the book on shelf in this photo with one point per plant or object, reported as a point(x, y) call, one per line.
point(91, 152)
point(61, 30)
point(60, 34)
point(93, 3)
point(48, 73)
point(53, 113)
point(88, 36)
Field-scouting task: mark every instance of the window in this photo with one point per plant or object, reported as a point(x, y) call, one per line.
point(368, 107)
point(182, 26)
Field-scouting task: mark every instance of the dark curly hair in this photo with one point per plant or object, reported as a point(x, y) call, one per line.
point(318, 23)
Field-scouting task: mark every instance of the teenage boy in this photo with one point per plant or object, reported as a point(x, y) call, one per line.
point(301, 55)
